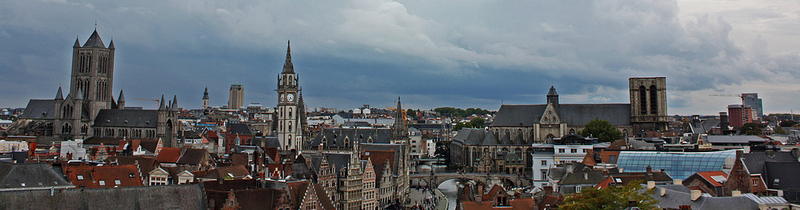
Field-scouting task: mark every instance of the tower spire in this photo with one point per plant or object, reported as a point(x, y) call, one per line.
point(161, 105)
point(59, 95)
point(288, 67)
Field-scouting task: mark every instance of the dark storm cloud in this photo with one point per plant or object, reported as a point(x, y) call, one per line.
point(443, 53)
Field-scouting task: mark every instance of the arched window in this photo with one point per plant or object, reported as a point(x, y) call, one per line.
point(571, 131)
point(291, 129)
point(550, 138)
point(84, 129)
point(653, 100)
point(625, 133)
point(66, 128)
point(290, 112)
point(642, 100)
point(532, 135)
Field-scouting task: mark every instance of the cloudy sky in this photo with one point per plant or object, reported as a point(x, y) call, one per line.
point(474, 53)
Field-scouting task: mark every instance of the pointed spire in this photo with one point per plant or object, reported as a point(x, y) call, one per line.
point(174, 106)
point(94, 41)
point(161, 105)
point(205, 94)
point(121, 97)
point(111, 45)
point(77, 43)
point(552, 91)
point(59, 95)
point(288, 67)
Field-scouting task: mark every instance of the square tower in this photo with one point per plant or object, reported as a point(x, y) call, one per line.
point(648, 103)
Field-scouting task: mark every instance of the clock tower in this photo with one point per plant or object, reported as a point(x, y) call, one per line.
point(290, 132)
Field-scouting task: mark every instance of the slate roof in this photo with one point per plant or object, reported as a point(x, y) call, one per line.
point(782, 175)
point(220, 172)
point(33, 175)
point(674, 199)
point(135, 118)
point(755, 161)
point(187, 196)
point(94, 41)
point(471, 136)
point(39, 109)
point(192, 156)
point(578, 177)
point(239, 129)
point(572, 114)
point(336, 137)
point(338, 160)
point(726, 139)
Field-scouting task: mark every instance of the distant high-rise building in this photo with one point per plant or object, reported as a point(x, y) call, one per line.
point(752, 100)
point(739, 115)
point(236, 100)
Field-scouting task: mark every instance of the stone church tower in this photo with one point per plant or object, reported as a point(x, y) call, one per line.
point(648, 103)
point(290, 132)
point(91, 81)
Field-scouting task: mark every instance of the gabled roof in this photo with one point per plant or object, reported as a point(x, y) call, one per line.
point(126, 118)
point(192, 156)
point(673, 199)
point(323, 198)
point(755, 161)
point(782, 175)
point(39, 109)
point(714, 177)
point(239, 129)
point(104, 176)
point(169, 155)
point(572, 114)
point(583, 177)
point(29, 175)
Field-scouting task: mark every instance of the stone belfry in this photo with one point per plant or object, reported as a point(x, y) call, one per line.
point(399, 129)
point(93, 73)
point(289, 132)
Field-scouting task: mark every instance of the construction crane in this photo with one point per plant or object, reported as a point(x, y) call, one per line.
point(395, 109)
point(147, 99)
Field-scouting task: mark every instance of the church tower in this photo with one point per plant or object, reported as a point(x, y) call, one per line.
point(205, 99)
point(93, 73)
point(648, 104)
point(289, 130)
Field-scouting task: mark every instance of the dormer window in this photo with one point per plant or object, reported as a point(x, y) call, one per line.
point(102, 183)
point(80, 177)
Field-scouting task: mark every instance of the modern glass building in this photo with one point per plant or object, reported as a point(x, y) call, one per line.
point(679, 165)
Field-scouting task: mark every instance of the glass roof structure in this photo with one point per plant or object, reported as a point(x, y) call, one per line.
point(679, 165)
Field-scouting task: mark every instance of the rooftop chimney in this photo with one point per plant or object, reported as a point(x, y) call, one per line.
point(651, 184)
point(696, 195)
point(677, 182)
point(663, 191)
point(736, 193)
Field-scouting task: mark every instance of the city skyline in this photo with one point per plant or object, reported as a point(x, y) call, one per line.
point(431, 54)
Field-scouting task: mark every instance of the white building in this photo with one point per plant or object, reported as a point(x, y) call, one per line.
point(572, 148)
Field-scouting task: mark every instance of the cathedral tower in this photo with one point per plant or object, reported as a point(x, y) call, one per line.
point(289, 130)
point(205, 99)
point(93, 73)
point(648, 103)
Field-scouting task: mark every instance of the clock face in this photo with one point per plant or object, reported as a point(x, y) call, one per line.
point(282, 97)
point(290, 97)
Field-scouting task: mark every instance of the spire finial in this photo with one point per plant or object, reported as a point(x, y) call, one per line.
point(95, 25)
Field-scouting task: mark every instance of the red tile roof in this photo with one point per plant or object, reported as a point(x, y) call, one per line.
point(169, 155)
point(709, 177)
point(107, 176)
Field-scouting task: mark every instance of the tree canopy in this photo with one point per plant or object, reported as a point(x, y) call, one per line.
point(457, 112)
point(601, 129)
point(476, 122)
point(612, 197)
point(751, 129)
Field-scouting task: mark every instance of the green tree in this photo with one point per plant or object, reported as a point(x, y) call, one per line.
point(460, 125)
point(477, 122)
point(787, 123)
point(613, 197)
point(412, 114)
point(751, 129)
point(601, 129)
